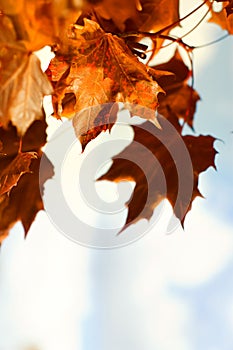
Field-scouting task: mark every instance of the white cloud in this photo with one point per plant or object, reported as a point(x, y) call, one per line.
point(136, 283)
point(199, 253)
point(43, 287)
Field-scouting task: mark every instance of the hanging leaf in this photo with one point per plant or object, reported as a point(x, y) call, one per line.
point(99, 68)
point(13, 172)
point(21, 92)
point(141, 15)
point(118, 11)
point(21, 178)
point(180, 98)
point(149, 162)
point(156, 15)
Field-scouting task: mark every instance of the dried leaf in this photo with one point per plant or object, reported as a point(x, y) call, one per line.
point(157, 14)
point(180, 98)
point(100, 68)
point(118, 11)
point(154, 169)
point(13, 172)
point(134, 15)
point(90, 122)
point(21, 92)
point(24, 200)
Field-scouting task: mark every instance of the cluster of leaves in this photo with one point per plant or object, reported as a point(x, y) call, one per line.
point(96, 45)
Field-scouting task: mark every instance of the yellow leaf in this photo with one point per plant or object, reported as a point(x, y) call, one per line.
point(22, 92)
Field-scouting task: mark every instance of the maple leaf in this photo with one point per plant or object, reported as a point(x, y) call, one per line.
point(224, 20)
point(12, 173)
point(90, 122)
point(180, 98)
point(23, 201)
point(150, 163)
point(22, 82)
point(99, 68)
point(23, 87)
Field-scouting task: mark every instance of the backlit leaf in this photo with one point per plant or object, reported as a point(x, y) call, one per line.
point(100, 68)
point(22, 91)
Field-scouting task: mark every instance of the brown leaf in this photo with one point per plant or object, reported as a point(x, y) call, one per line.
point(180, 98)
point(40, 23)
point(10, 176)
point(157, 14)
point(24, 200)
point(134, 15)
point(229, 8)
point(157, 172)
point(118, 11)
point(22, 90)
point(89, 123)
point(99, 68)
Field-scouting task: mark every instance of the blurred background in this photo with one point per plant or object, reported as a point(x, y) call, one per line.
point(166, 292)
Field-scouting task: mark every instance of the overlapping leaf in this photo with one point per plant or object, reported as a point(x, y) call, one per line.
point(22, 93)
point(21, 179)
point(99, 68)
point(40, 23)
point(22, 82)
point(13, 172)
point(93, 66)
point(180, 98)
point(141, 15)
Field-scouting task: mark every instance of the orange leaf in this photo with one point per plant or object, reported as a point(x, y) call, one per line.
point(134, 15)
point(224, 21)
point(157, 14)
point(118, 11)
point(100, 68)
